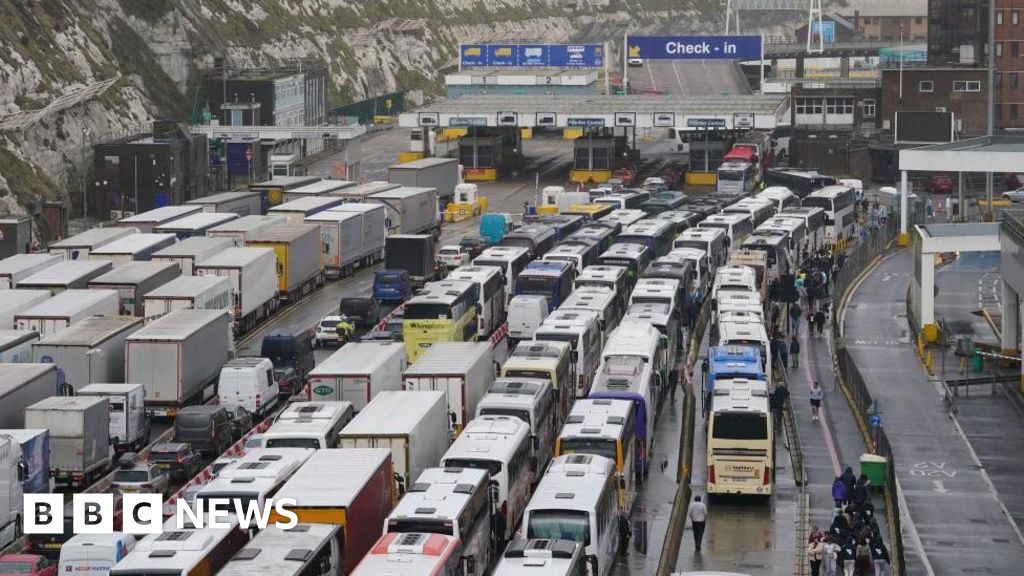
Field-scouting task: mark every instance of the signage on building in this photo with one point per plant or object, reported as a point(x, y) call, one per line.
point(705, 122)
point(694, 47)
point(826, 29)
point(743, 121)
point(664, 119)
point(532, 55)
point(467, 121)
point(585, 122)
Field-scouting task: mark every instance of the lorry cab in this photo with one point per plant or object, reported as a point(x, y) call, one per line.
point(392, 285)
point(249, 383)
point(129, 426)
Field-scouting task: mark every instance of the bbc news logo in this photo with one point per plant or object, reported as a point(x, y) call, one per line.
point(143, 513)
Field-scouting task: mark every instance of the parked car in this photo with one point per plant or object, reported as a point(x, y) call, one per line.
point(363, 310)
point(241, 422)
point(635, 61)
point(1014, 195)
point(452, 256)
point(392, 330)
point(288, 381)
point(178, 458)
point(939, 184)
point(135, 475)
point(206, 428)
point(327, 332)
point(27, 564)
point(473, 244)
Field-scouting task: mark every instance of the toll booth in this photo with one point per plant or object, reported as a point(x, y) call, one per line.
point(480, 157)
point(707, 147)
point(596, 156)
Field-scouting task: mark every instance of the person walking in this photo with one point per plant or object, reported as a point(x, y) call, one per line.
point(698, 517)
point(794, 350)
point(625, 533)
point(880, 557)
point(929, 209)
point(816, 393)
point(848, 555)
point(860, 494)
point(839, 492)
point(815, 549)
point(863, 558)
point(849, 481)
point(819, 321)
point(829, 551)
point(795, 311)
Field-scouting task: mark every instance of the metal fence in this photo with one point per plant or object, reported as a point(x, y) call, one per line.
point(855, 388)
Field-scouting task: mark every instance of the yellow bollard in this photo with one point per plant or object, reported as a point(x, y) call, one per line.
point(929, 363)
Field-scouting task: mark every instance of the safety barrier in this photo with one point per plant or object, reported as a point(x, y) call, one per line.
point(850, 381)
point(499, 334)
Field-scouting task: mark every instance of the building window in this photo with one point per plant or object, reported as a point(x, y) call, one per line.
point(919, 20)
point(1015, 17)
point(925, 86)
point(999, 49)
point(1015, 49)
point(1013, 111)
point(967, 86)
point(999, 18)
point(999, 79)
point(1014, 80)
point(869, 107)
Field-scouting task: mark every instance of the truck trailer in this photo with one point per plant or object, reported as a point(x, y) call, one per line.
point(441, 174)
point(321, 188)
point(35, 453)
point(243, 204)
point(357, 194)
point(65, 309)
point(195, 225)
point(147, 221)
point(14, 269)
point(464, 371)
point(88, 351)
point(178, 358)
point(16, 300)
point(409, 210)
point(22, 385)
point(191, 250)
point(11, 494)
point(341, 241)
point(358, 371)
point(188, 293)
point(253, 276)
point(412, 424)
point(77, 247)
point(238, 231)
point(134, 280)
point(132, 248)
point(80, 450)
point(73, 275)
point(16, 346)
point(374, 230)
point(297, 251)
point(414, 253)
point(129, 426)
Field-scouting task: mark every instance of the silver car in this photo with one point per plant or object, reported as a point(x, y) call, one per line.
point(136, 476)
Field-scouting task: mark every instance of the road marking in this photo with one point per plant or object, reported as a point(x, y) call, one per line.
point(939, 487)
point(650, 74)
point(822, 414)
point(679, 79)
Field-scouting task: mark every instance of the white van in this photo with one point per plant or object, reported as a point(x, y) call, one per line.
point(249, 383)
point(94, 554)
point(525, 314)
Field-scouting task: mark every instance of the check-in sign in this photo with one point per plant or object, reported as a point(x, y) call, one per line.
point(694, 47)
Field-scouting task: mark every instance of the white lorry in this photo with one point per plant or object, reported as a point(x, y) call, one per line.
point(358, 371)
point(88, 351)
point(253, 276)
point(249, 383)
point(65, 309)
point(22, 385)
point(191, 250)
point(238, 231)
point(413, 425)
point(134, 280)
point(80, 450)
point(14, 301)
point(78, 246)
point(14, 269)
point(464, 371)
point(16, 346)
point(129, 426)
point(188, 293)
point(12, 473)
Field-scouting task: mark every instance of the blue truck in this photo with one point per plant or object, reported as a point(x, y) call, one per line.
point(35, 452)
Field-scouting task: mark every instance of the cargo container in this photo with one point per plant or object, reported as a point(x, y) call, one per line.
point(188, 293)
point(134, 280)
point(297, 251)
point(413, 253)
point(178, 358)
point(15, 235)
point(22, 385)
point(80, 450)
point(65, 309)
point(272, 191)
point(11, 495)
point(409, 210)
point(14, 301)
point(78, 246)
point(16, 346)
point(298, 210)
point(321, 188)
point(441, 174)
point(374, 230)
point(129, 426)
point(88, 351)
point(358, 497)
point(253, 276)
point(241, 203)
point(464, 371)
point(358, 194)
point(74, 275)
point(137, 247)
point(14, 269)
point(35, 453)
point(147, 221)
point(359, 371)
point(195, 224)
point(413, 425)
point(341, 241)
point(191, 250)
point(238, 231)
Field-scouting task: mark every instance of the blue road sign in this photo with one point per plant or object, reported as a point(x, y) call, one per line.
point(826, 29)
point(694, 47)
point(533, 55)
point(875, 421)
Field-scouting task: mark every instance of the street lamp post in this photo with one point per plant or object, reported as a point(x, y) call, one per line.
point(85, 196)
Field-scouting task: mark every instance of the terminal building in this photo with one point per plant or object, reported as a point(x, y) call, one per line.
point(522, 82)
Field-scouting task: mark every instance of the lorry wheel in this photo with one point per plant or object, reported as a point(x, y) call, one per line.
point(17, 526)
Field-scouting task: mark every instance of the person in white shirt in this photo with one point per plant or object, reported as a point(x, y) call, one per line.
point(816, 393)
point(698, 516)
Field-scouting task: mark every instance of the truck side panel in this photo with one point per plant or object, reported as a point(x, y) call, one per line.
point(366, 515)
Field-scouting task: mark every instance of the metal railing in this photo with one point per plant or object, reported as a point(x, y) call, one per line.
point(850, 380)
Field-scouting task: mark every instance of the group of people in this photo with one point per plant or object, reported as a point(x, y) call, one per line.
point(853, 544)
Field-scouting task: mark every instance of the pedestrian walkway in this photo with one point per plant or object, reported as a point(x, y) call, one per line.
point(953, 521)
point(831, 443)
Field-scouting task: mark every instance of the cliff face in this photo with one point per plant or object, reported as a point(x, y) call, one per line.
point(154, 51)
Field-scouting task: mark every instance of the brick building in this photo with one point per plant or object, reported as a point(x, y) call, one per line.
point(1009, 90)
point(961, 91)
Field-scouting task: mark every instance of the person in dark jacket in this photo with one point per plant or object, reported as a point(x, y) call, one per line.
point(880, 557)
point(847, 558)
point(794, 350)
point(839, 492)
point(819, 321)
point(849, 480)
point(860, 494)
